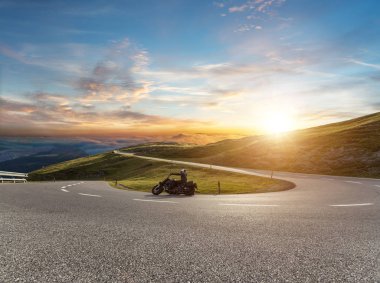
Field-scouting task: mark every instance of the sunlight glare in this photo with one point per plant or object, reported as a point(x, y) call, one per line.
point(278, 122)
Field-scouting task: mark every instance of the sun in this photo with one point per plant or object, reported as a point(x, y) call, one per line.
point(278, 122)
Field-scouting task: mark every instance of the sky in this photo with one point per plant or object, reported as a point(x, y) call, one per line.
point(135, 68)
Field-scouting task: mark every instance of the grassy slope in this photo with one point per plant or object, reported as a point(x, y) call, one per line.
point(346, 148)
point(142, 174)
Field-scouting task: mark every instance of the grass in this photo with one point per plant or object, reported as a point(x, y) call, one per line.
point(141, 175)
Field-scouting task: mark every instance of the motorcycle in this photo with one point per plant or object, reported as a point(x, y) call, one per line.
point(174, 187)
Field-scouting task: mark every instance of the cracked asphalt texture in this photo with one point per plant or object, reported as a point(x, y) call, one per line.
point(47, 235)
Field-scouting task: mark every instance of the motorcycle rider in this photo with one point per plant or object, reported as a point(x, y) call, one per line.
point(183, 175)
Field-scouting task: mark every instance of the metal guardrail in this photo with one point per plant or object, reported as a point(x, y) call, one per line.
point(16, 177)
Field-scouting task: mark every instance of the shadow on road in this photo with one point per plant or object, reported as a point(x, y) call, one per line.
point(166, 196)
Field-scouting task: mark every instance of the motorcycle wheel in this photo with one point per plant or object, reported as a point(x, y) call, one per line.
point(190, 191)
point(157, 189)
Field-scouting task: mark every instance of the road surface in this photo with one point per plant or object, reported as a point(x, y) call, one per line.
point(326, 229)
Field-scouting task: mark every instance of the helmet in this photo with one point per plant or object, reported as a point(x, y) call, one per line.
point(183, 171)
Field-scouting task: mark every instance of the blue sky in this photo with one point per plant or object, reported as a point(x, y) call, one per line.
point(120, 68)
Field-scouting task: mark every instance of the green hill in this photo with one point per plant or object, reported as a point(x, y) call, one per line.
point(350, 148)
point(142, 175)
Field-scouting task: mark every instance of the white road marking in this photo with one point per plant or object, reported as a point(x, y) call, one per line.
point(98, 196)
point(246, 204)
point(151, 200)
point(71, 185)
point(353, 182)
point(330, 179)
point(377, 186)
point(353, 204)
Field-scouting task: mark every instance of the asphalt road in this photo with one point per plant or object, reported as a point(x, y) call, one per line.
point(326, 229)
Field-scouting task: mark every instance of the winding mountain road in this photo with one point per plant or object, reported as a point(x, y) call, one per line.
point(326, 229)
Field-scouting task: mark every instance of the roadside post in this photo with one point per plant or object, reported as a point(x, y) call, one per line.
point(218, 187)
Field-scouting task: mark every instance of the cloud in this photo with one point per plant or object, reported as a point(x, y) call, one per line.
point(211, 104)
point(376, 77)
point(361, 63)
point(68, 62)
point(6, 51)
point(227, 93)
point(42, 111)
point(219, 4)
point(223, 84)
point(328, 116)
point(102, 94)
point(216, 98)
point(46, 98)
point(119, 63)
point(125, 92)
point(29, 114)
point(248, 27)
point(255, 13)
point(264, 5)
point(191, 90)
point(15, 106)
point(240, 8)
point(219, 71)
point(114, 78)
point(261, 6)
point(376, 106)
